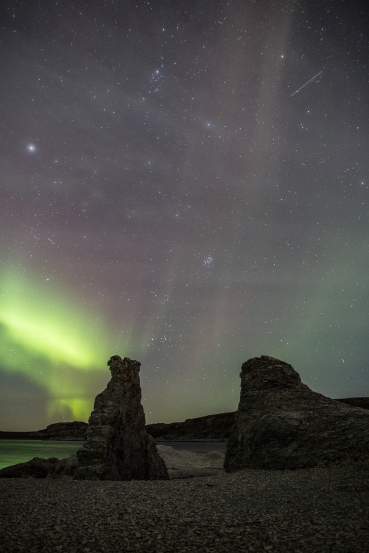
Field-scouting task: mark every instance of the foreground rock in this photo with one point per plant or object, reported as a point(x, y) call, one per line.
point(118, 446)
point(282, 424)
point(36, 468)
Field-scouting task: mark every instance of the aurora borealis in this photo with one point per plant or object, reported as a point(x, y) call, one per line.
point(177, 187)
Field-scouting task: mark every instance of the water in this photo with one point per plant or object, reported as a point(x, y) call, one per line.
point(20, 451)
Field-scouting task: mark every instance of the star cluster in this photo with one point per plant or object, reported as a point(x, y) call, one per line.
point(185, 184)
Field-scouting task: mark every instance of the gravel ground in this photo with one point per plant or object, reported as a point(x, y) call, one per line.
point(312, 510)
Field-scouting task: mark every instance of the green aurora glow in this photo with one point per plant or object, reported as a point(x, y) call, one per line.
point(52, 340)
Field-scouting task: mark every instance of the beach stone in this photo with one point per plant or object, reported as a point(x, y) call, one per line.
point(282, 424)
point(117, 445)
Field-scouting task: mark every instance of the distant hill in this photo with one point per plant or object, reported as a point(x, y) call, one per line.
point(61, 431)
point(211, 427)
point(362, 402)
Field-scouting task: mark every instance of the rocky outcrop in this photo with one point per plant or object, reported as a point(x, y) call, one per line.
point(117, 445)
point(211, 427)
point(282, 424)
point(36, 468)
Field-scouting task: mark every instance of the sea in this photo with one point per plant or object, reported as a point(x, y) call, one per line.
point(13, 452)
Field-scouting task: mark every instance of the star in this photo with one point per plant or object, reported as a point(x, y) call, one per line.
point(147, 181)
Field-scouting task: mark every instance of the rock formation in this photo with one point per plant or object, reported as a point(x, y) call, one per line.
point(35, 468)
point(282, 424)
point(117, 445)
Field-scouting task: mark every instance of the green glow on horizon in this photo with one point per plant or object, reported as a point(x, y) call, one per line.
point(54, 341)
point(81, 408)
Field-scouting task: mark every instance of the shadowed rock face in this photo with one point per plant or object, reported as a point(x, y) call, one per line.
point(282, 424)
point(117, 445)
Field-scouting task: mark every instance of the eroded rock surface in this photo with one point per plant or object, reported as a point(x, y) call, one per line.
point(282, 424)
point(117, 445)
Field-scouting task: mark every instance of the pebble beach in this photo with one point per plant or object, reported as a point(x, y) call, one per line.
point(311, 510)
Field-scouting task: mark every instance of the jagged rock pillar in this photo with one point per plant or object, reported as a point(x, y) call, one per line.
point(117, 446)
point(282, 424)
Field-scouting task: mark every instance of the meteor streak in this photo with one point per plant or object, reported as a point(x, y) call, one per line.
point(298, 90)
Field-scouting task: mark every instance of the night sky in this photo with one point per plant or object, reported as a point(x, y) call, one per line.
point(184, 183)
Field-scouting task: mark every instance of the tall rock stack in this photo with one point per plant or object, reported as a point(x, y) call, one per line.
point(282, 424)
point(117, 445)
